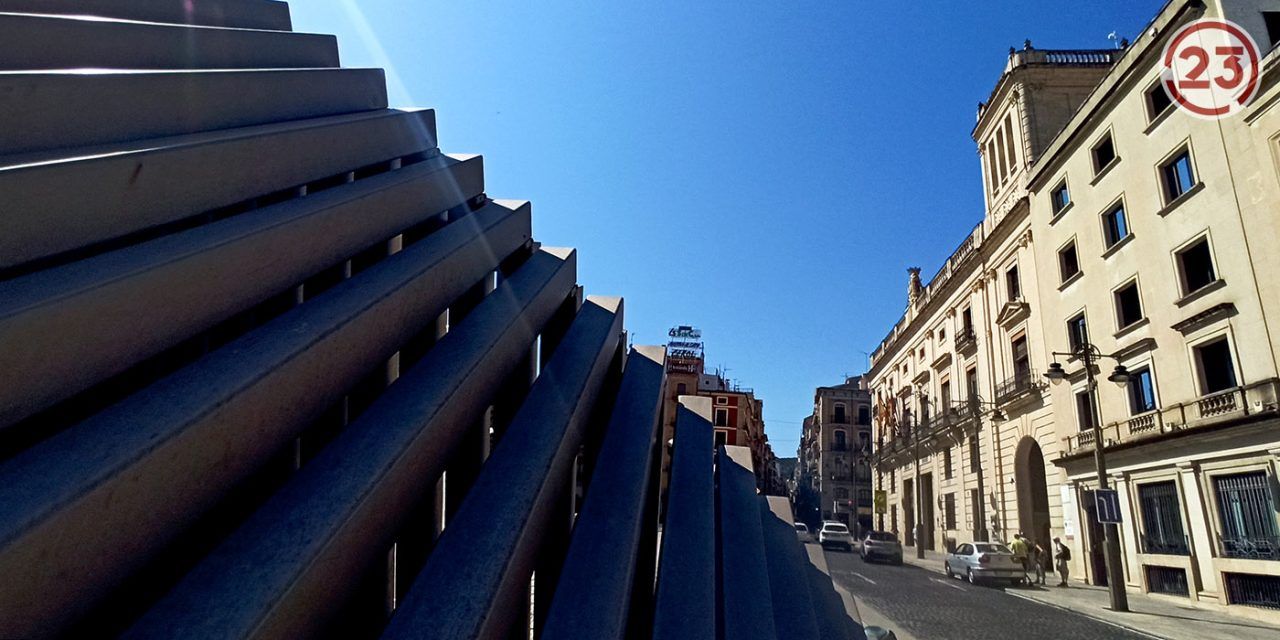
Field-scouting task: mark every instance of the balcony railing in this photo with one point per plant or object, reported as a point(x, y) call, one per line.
point(1259, 398)
point(839, 446)
point(1015, 386)
point(966, 339)
point(1250, 547)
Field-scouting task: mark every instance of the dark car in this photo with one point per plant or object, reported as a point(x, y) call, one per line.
point(881, 545)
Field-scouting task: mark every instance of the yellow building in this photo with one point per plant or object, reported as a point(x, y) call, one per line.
point(1114, 218)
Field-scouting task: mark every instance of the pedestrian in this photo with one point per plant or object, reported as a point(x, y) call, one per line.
point(1039, 556)
point(1019, 548)
point(1063, 556)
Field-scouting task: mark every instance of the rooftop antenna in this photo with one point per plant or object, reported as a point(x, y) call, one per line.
point(1118, 41)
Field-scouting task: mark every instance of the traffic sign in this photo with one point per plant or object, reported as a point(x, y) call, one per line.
point(1108, 504)
point(882, 500)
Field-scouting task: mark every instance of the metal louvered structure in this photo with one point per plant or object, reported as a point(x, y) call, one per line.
point(273, 365)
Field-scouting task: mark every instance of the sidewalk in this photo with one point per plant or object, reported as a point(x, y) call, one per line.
point(1154, 616)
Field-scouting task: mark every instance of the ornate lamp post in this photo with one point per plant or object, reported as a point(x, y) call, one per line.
point(1089, 354)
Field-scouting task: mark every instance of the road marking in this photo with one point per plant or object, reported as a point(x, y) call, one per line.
point(948, 583)
point(864, 577)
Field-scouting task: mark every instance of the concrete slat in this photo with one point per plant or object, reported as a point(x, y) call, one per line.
point(744, 574)
point(244, 14)
point(70, 327)
point(44, 110)
point(600, 570)
point(30, 42)
point(474, 580)
point(98, 500)
point(292, 565)
point(793, 613)
point(687, 567)
point(55, 206)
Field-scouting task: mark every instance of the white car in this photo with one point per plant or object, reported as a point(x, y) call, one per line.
point(803, 533)
point(835, 534)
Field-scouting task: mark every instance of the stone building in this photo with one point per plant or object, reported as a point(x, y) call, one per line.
point(963, 426)
point(1156, 234)
point(835, 450)
point(1115, 219)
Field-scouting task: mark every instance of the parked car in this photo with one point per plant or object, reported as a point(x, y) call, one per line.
point(881, 545)
point(803, 533)
point(835, 534)
point(983, 561)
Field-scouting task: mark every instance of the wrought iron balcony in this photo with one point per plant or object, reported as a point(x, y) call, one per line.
point(966, 340)
point(1019, 384)
point(1250, 547)
point(838, 446)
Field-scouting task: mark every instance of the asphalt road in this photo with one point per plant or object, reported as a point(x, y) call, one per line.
point(929, 606)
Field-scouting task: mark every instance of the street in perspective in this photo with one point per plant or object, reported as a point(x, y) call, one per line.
point(837, 320)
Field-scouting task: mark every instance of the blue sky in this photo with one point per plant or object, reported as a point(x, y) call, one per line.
point(765, 171)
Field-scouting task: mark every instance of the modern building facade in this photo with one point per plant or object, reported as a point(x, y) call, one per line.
point(1118, 220)
point(835, 453)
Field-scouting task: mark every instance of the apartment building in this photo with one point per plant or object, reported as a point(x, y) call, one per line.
point(1119, 223)
point(964, 428)
point(836, 451)
point(1156, 232)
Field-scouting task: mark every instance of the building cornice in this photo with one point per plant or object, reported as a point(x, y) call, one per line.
point(1106, 94)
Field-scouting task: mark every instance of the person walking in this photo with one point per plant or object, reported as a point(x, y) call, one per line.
point(1063, 556)
point(1020, 551)
point(1039, 556)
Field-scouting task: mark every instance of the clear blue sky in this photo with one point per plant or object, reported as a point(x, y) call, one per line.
point(765, 171)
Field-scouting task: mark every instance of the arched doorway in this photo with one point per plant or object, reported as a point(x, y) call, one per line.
point(1033, 492)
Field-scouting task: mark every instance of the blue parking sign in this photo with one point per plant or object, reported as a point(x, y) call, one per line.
point(1108, 504)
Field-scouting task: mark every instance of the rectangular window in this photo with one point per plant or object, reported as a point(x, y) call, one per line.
point(1246, 516)
point(1068, 262)
point(840, 416)
point(971, 381)
point(992, 169)
point(1272, 20)
point(864, 414)
point(966, 321)
point(1177, 176)
point(1162, 530)
point(949, 511)
point(975, 455)
point(1128, 304)
point(1060, 198)
point(1009, 140)
point(1004, 162)
point(945, 394)
point(722, 418)
point(893, 480)
point(1012, 283)
point(1077, 331)
point(1217, 368)
point(1104, 153)
point(1115, 226)
point(946, 464)
point(1086, 414)
point(1157, 101)
point(1142, 391)
point(1195, 265)
point(721, 438)
point(1021, 358)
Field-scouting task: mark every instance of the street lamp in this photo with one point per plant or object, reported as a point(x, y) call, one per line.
point(976, 404)
point(1089, 354)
